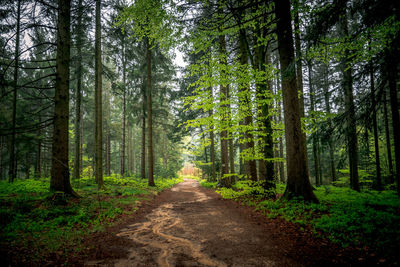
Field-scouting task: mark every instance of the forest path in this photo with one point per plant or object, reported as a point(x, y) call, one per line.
point(192, 226)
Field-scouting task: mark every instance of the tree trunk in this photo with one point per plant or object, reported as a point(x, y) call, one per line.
point(351, 131)
point(59, 160)
point(1, 157)
point(107, 112)
point(78, 95)
point(212, 146)
point(38, 165)
point(149, 117)
point(328, 110)
point(143, 157)
point(225, 116)
point(12, 169)
point(98, 101)
point(387, 137)
point(81, 148)
point(391, 63)
point(299, 67)
point(298, 183)
point(281, 167)
point(375, 128)
point(129, 151)
point(251, 167)
point(230, 140)
point(123, 108)
point(314, 138)
point(266, 121)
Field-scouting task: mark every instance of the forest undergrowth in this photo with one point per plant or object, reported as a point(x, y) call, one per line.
point(367, 220)
point(37, 224)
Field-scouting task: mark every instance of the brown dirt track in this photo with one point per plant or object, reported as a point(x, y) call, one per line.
point(192, 226)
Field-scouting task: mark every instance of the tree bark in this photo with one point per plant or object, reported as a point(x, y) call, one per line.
point(281, 167)
point(230, 143)
point(143, 156)
point(12, 172)
point(299, 67)
point(315, 144)
point(391, 63)
point(375, 127)
point(60, 180)
point(81, 148)
point(251, 167)
point(98, 101)
point(123, 108)
point(38, 165)
point(107, 112)
point(1, 158)
point(78, 94)
point(269, 176)
point(225, 116)
point(351, 131)
point(149, 117)
point(298, 183)
point(328, 111)
point(212, 145)
point(387, 137)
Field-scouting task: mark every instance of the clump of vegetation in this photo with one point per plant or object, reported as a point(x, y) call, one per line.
point(38, 223)
point(347, 217)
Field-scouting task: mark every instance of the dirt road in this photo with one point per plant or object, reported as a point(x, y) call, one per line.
point(192, 226)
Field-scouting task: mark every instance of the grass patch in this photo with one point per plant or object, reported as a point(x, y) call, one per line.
point(369, 218)
point(33, 224)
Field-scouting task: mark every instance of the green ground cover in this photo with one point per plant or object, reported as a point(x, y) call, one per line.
point(37, 222)
point(370, 218)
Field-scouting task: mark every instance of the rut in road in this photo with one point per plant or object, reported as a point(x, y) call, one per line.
point(193, 226)
point(154, 235)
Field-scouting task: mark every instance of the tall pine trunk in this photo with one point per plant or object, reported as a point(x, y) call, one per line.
point(143, 152)
point(391, 63)
point(98, 101)
point(60, 180)
point(107, 111)
point(123, 142)
point(387, 137)
point(1, 157)
point(314, 138)
point(328, 111)
point(351, 131)
point(268, 148)
point(281, 166)
point(375, 128)
point(298, 183)
point(78, 94)
point(13, 169)
point(149, 117)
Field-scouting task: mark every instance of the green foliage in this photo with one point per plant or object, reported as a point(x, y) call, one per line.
point(53, 222)
point(246, 188)
point(365, 179)
point(152, 19)
point(211, 185)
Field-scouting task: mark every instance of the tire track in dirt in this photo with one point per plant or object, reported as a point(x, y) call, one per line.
point(153, 234)
point(192, 226)
point(189, 226)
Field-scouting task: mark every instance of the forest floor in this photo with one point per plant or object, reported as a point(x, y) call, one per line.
point(189, 225)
